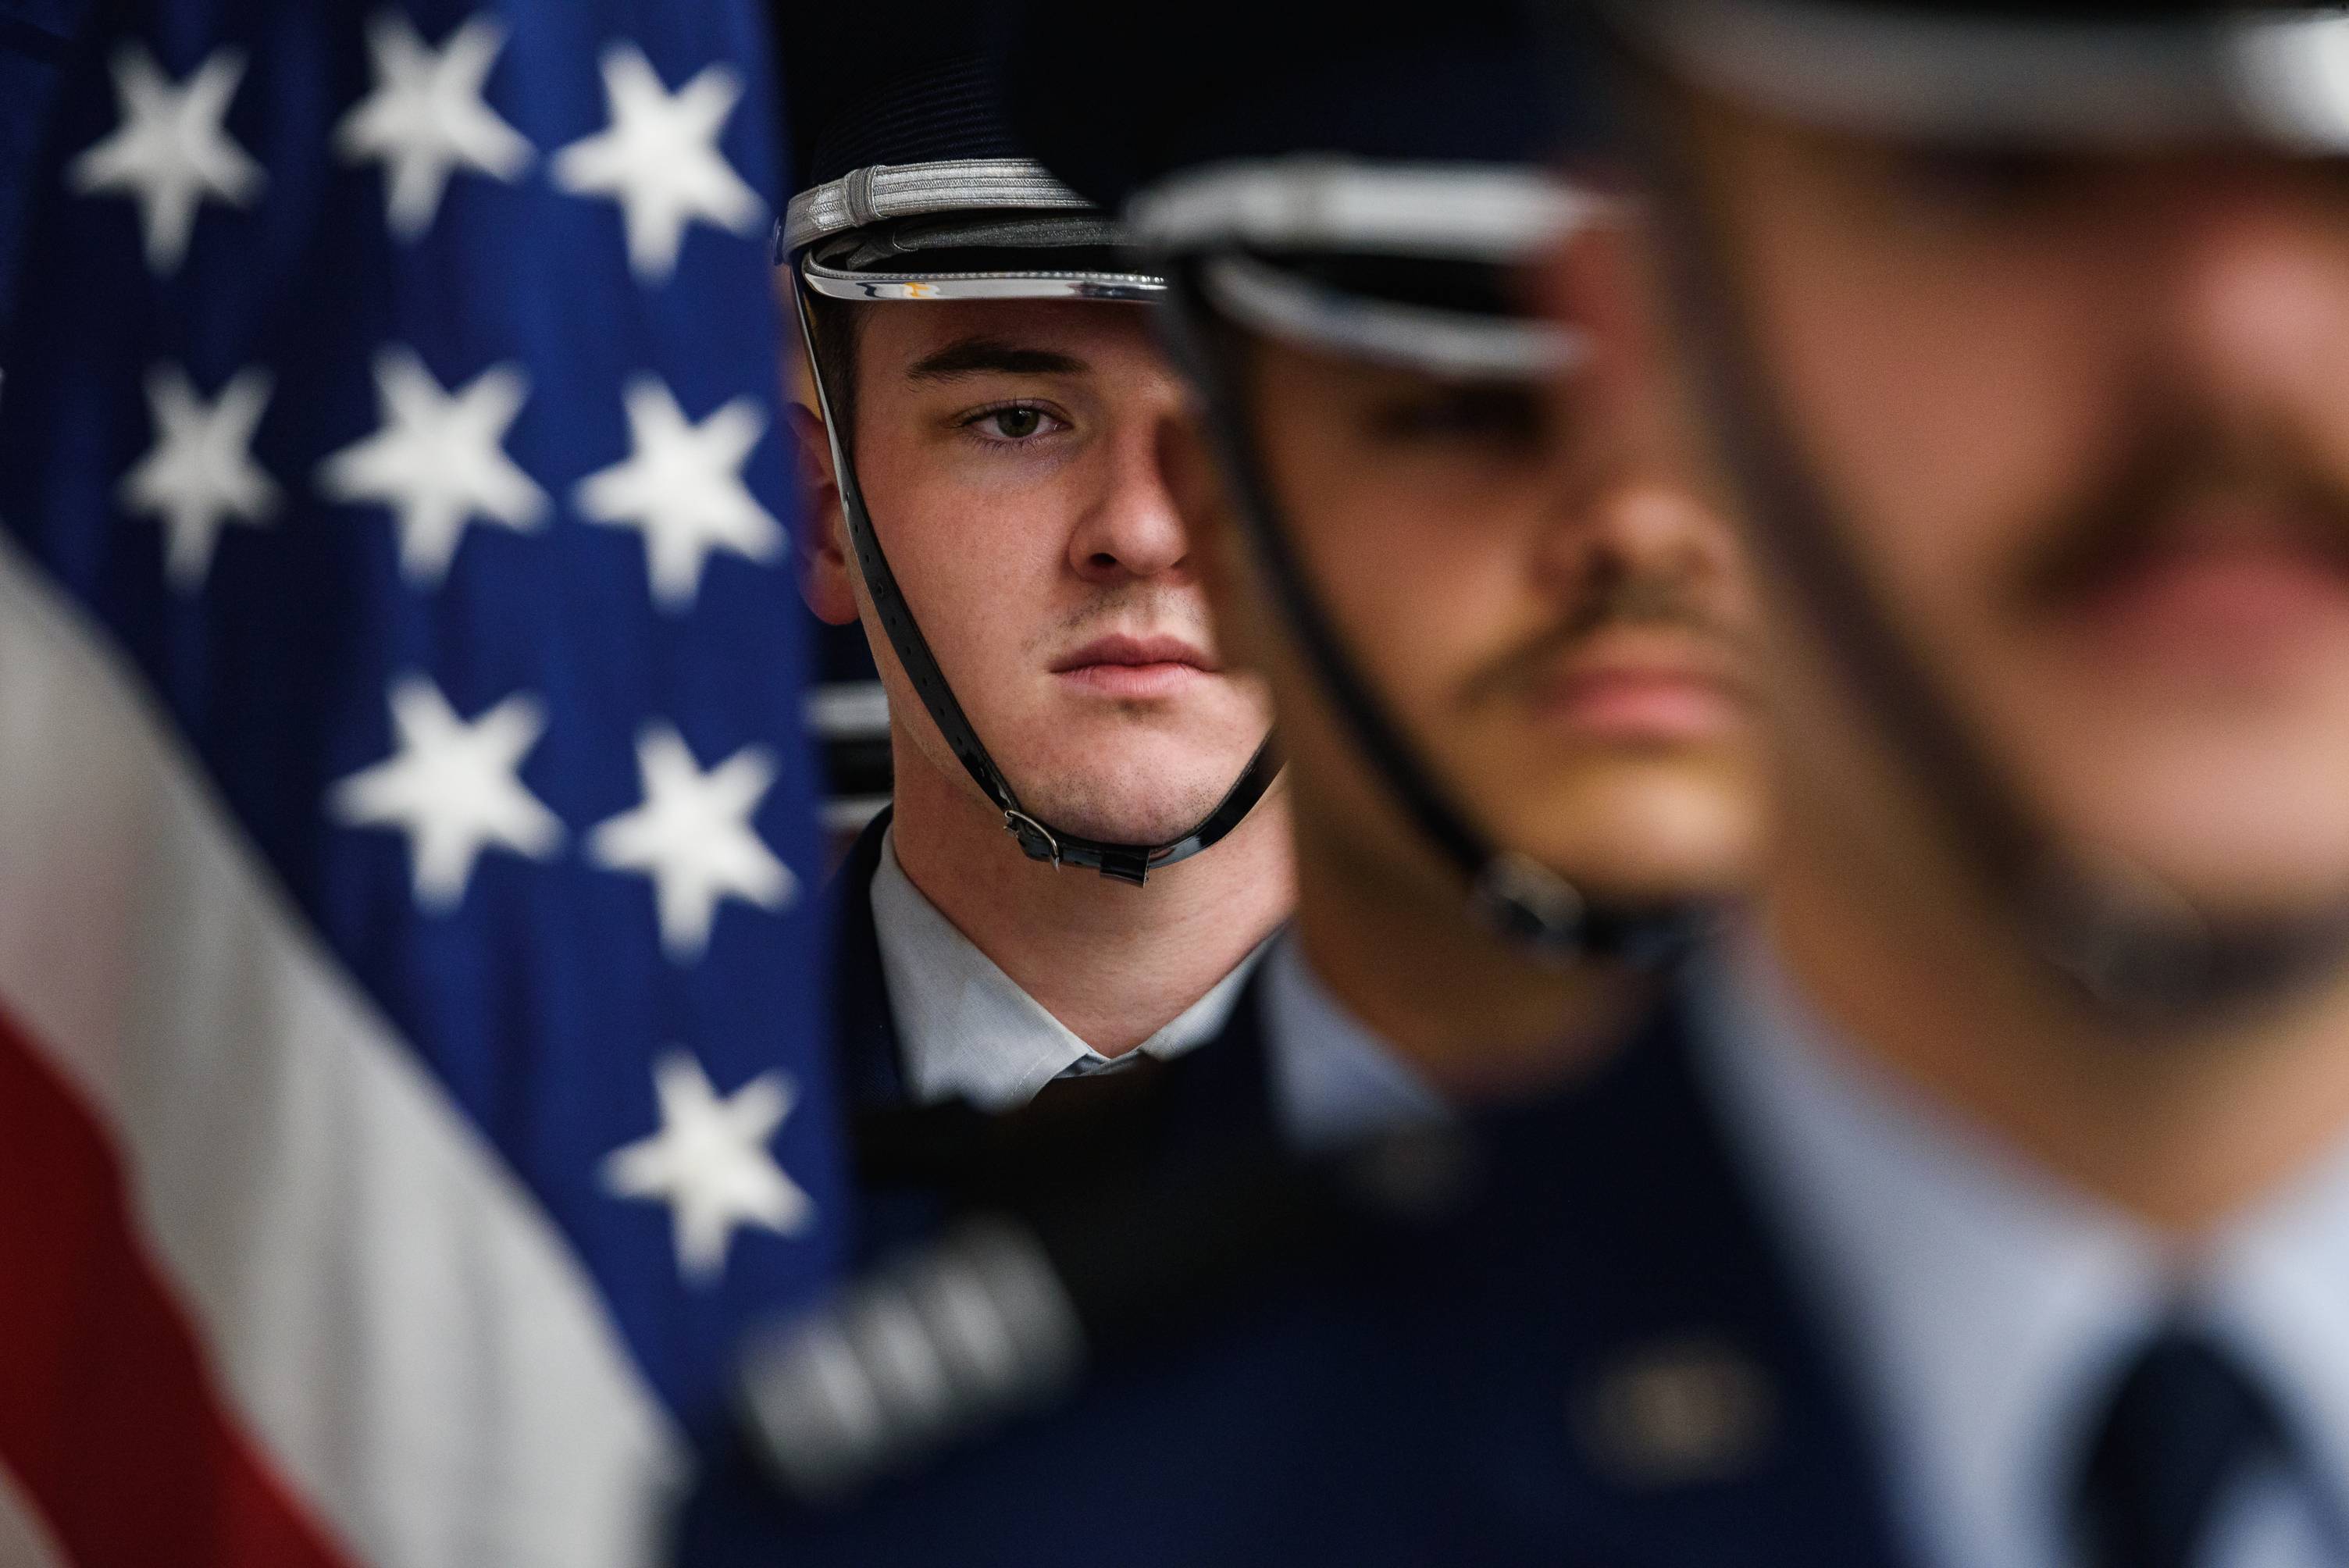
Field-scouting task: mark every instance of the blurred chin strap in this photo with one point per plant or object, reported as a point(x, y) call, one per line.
point(1508, 892)
point(2122, 941)
point(1038, 839)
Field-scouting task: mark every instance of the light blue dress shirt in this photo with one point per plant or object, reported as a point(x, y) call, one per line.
point(1333, 1080)
point(1991, 1309)
point(968, 1030)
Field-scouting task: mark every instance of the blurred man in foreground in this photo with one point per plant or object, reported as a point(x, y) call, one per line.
point(990, 413)
point(2022, 334)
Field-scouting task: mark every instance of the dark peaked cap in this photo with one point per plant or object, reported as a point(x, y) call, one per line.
point(1135, 93)
point(910, 85)
point(910, 81)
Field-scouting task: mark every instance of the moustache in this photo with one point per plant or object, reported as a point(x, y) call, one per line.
point(1131, 606)
point(1623, 600)
point(2131, 512)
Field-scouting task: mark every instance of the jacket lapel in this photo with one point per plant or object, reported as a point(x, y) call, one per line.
point(1222, 1090)
point(865, 1027)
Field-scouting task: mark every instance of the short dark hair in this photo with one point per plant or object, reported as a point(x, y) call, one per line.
point(834, 324)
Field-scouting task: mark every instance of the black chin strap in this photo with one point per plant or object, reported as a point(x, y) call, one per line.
point(2126, 943)
point(1508, 892)
point(1038, 839)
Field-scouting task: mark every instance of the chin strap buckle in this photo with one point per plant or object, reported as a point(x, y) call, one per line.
point(1527, 902)
point(1035, 840)
point(1119, 862)
point(2127, 941)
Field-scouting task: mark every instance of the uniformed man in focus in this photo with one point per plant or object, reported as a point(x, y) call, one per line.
point(1075, 874)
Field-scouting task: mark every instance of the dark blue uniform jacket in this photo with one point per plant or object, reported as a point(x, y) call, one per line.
point(1210, 1095)
point(872, 1073)
point(1605, 1364)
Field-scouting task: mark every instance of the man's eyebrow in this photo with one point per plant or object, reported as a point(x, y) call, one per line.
point(992, 355)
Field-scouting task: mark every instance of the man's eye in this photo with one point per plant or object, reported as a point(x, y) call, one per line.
point(1011, 424)
point(1985, 180)
point(1504, 415)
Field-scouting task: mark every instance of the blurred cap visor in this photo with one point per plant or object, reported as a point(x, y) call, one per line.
point(2072, 77)
point(1400, 264)
point(1360, 183)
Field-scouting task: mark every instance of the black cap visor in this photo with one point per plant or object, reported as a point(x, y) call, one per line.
point(1451, 320)
point(1401, 264)
point(1047, 257)
point(964, 229)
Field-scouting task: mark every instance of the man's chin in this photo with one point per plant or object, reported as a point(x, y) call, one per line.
point(1145, 783)
point(1110, 814)
point(2243, 854)
point(1649, 835)
point(2248, 884)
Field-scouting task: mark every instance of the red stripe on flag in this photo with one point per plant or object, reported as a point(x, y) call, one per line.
point(109, 1415)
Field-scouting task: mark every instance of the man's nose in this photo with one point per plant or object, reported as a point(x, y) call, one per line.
point(2257, 306)
point(1618, 505)
point(1130, 527)
point(1640, 524)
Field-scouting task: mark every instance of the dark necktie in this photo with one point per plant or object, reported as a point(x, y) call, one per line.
point(2185, 1426)
point(1082, 1085)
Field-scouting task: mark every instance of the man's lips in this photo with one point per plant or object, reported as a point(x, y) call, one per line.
point(1124, 665)
point(1645, 691)
point(2215, 598)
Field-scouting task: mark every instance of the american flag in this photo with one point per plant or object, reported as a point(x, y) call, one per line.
point(411, 1065)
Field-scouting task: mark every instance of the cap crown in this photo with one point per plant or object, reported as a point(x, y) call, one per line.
point(1137, 94)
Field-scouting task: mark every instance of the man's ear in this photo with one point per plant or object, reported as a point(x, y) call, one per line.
point(827, 580)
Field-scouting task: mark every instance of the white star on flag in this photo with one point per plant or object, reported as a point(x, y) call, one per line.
point(439, 462)
point(453, 789)
point(200, 476)
point(682, 485)
point(426, 117)
point(692, 836)
point(173, 152)
point(711, 1163)
point(659, 159)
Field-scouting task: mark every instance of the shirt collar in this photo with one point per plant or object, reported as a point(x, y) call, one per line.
point(2276, 1284)
point(967, 1030)
point(1333, 1080)
point(1987, 1305)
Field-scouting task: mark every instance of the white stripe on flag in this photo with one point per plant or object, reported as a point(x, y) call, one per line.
point(401, 1325)
point(25, 1541)
point(848, 710)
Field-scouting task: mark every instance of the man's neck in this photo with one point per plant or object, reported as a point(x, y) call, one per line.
point(2183, 1128)
point(1473, 1014)
point(1113, 962)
